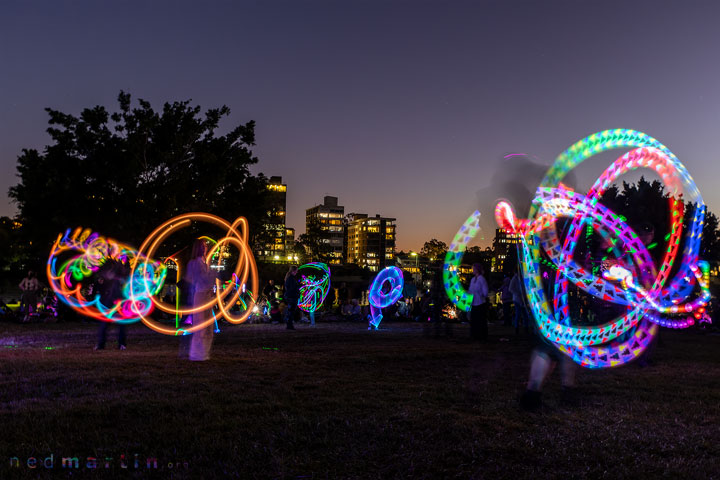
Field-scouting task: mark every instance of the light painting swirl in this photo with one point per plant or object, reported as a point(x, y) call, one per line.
point(650, 297)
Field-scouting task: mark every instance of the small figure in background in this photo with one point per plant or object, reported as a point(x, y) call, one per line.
point(270, 290)
point(28, 299)
point(507, 300)
point(291, 296)
point(479, 311)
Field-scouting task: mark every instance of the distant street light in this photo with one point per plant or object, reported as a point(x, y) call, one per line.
point(413, 254)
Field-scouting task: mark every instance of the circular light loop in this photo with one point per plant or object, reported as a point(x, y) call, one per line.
point(652, 298)
point(378, 299)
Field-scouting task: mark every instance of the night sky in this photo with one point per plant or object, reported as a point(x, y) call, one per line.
point(402, 108)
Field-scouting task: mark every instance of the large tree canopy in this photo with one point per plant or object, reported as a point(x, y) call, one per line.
point(122, 173)
point(645, 203)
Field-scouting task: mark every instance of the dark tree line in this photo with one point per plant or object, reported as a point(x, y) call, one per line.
point(646, 204)
point(122, 173)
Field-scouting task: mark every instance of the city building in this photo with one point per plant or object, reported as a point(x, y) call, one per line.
point(289, 239)
point(326, 221)
point(370, 241)
point(413, 264)
point(272, 244)
point(504, 244)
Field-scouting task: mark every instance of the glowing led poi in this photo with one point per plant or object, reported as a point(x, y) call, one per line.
point(639, 286)
point(146, 277)
point(314, 285)
point(76, 256)
point(226, 295)
point(379, 299)
point(458, 295)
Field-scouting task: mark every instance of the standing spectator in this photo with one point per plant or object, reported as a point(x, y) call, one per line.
point(292, 295)
point(521, 316)
point(479, 311)
point(109, 287)
point(28, 299)
point(507, 300)
point(199, 275)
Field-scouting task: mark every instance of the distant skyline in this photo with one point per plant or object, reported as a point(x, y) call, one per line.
point(400, 108)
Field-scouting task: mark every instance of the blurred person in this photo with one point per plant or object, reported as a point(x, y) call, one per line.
point(403, 309)
point(291, 296)
point(270, 290)
point(202, 281)
point(521, 315)
point(109, 288)
point(544, 358)
point(543, 361)
point(507, 301)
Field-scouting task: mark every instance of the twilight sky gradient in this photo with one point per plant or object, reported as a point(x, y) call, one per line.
point(403, 108)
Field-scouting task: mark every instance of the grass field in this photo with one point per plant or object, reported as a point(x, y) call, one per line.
point(337, 401)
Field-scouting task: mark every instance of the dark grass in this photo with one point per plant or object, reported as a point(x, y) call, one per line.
point(338, 401)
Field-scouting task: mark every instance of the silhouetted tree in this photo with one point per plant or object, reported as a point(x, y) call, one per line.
point(122, 173)
point(316, 243)
point(9, 253)
point(646, 204)
point(434, 249)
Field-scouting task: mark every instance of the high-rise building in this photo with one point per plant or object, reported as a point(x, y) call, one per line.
point(326, 221)
point(272, 245)
point(504, 244)
point(370, 241)
point(289, 239)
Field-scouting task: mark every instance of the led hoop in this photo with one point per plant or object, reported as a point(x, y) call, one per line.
point(457, 294)
point(314, 285)
point(379, 300)
point(91, 252)
point(598, 346)
point(245, 268)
